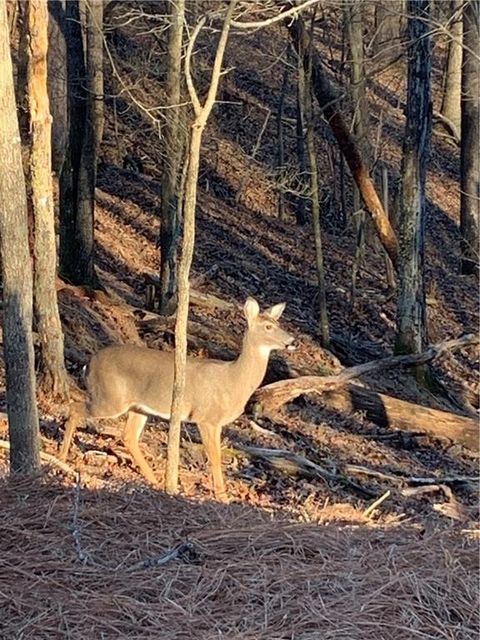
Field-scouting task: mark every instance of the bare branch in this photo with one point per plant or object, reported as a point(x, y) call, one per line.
point(197, 107)
point(281, 16)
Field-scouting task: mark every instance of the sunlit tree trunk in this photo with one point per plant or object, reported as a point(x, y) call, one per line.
point(54, 375)
point(470, 145)
point(201, 116)
point(16, 276)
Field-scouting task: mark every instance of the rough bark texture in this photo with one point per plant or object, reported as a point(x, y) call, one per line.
point(45, 294)
point(328, 98)
point(16, 276)
point(57, 81)
point(172, 156)
point(411, 307)
point(452, 88)
point(470, 144)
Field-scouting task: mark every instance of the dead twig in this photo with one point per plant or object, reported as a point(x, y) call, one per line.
point(185, 552)
point(369, 510)
point(46, 457)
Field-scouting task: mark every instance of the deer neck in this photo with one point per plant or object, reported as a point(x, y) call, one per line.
point(250, 366)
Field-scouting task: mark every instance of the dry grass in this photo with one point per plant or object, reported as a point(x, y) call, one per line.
point(69, 567)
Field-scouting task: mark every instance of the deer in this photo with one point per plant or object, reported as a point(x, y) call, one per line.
point(138, 381)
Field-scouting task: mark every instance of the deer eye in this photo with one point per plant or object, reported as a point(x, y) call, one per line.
point(268, 327)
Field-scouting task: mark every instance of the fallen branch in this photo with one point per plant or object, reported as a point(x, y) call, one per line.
point(293, 464)
point(185, 552)
point(382, 409)
point(46, 457)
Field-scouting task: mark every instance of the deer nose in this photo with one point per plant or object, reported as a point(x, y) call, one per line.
point(291, 344)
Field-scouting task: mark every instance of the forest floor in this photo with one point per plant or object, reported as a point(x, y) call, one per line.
point(292, 556)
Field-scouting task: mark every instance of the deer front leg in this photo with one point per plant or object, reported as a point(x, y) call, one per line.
point(78, 412)
point(131, 435)
point(211, 438)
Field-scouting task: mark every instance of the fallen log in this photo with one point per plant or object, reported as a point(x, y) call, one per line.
point(382, 409)
point(400, 415)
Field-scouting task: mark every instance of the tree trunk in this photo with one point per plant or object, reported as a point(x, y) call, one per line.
point(328, 97)
point(16, 276)
point(72, 240)
point(305, 97)
point(388, 14)
point(452, 88)
point(201, 116)
point(280, 136)
point(57, 81)
point(95, 67)
point(78, 175)
point(354, 20)
point(300, 210)
point(45, 295)
point(470, 144)
point(172, 156)
point(411, 307)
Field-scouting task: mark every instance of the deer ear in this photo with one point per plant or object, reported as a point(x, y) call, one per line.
point(276, 311)
point(251, 310)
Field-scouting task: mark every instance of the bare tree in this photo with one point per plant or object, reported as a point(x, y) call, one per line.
point(202, 113)
point(470, 144)
point(174, 139)
point(16, 276)
point(45, 295)
point(328, 98)
point(411, 307)
point(306, 108)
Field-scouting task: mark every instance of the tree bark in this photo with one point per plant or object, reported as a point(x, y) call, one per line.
point(172, 156)
point(16, 276)
point(78, 175)
point(201, 116)
point(49, 328)
point(411, 306)
point(452, 88)
point(328, 98)
point(470, 143)
point(57, 81)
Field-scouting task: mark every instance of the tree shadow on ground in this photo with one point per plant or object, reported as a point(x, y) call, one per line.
point(128, 561)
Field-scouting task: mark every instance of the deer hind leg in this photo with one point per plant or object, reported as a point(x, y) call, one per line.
point(211, 438)
point(131, 436)
point(78, 413)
